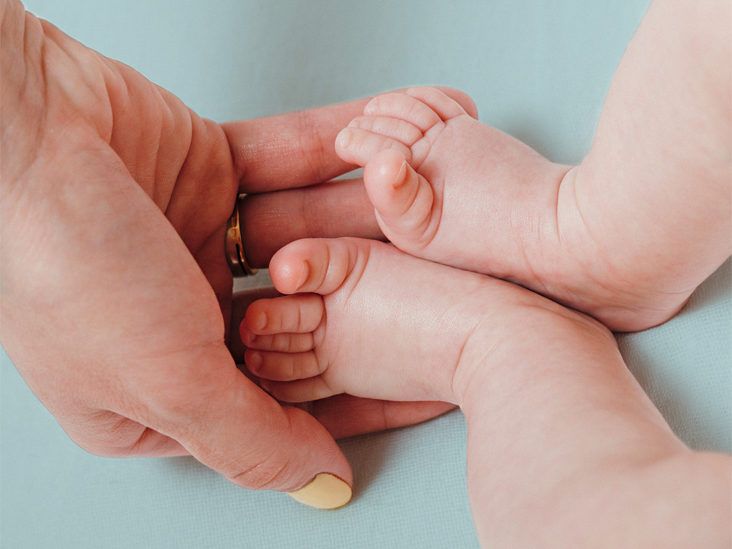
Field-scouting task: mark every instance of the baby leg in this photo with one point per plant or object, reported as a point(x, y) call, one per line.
point(565, 450)
point(651, 204)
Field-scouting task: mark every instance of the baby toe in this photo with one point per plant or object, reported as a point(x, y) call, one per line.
point(277, 366)
point(303, 390)
point(386, 170)
point(404, 107)
point(438, 101)
point(401, 130)
point(320, 265)
point(285, 343)
point(292, 314)
point(403, 199)
point(357, 146)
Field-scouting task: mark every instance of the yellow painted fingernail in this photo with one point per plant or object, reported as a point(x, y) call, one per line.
point(325, 491)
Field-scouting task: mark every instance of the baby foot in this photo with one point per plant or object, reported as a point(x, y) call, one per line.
point(372, 321)
point(447, 188)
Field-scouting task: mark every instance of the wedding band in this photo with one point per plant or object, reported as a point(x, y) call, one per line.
point(235, 255)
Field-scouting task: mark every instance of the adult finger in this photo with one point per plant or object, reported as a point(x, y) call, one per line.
point(346, 415)
point(297, 149)
point(271, 220)
point(233, 427)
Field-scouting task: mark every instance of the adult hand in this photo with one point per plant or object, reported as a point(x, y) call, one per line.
point(114, 200)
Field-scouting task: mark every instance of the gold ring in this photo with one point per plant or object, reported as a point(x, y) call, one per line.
point(235, 255)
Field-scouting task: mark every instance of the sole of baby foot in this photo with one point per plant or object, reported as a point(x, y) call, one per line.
point(369, 320)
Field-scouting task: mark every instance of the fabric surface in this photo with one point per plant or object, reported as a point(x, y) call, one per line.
point(538, 70)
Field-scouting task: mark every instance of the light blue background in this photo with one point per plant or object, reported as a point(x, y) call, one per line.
point(538, 70)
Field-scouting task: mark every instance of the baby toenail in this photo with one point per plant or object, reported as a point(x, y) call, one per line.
point(260, 321)
point(254, 360)
point(401, 176)
point(344, 138)
point(303, 276)
point(247, 337)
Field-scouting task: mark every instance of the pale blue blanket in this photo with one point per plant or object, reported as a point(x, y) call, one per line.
point(538, 70)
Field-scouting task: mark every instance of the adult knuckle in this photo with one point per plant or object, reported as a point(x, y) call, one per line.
point(312, 143)
point(271, 473)
point(101, 448)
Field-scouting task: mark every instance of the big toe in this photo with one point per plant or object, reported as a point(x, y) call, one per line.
point(358, 145)
point(403, 199)
point(319, 265)
point(386, 169)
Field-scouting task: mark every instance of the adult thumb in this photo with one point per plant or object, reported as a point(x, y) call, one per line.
point(232, 426)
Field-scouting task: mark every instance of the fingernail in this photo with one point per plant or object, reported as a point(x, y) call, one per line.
point(325, 491)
